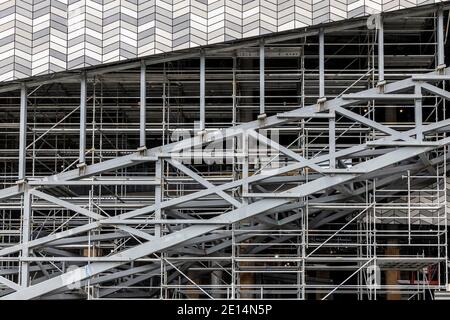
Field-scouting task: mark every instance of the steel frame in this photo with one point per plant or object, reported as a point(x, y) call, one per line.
point(310, 215)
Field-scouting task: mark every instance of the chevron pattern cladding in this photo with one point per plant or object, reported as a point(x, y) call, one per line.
point(45, 36)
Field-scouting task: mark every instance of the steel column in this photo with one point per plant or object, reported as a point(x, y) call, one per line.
point(440, 38)
point(418, 113)
point(261, 78)
point(23, 132)
point(321, 64)
point(331, 120)
point(26, 223)
point(202, 90)
point(83, 94)
point(142, 106)
point(158, 195)
point(381, 51)
point(332, 139)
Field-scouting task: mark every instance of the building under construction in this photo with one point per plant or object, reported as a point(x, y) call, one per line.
point(224, 149)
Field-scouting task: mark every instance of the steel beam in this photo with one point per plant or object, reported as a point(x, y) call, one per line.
point(435, 90)
point(66, 205)
point(9, 283)
point(204, 182)
point(270, 143)
point(373, 124)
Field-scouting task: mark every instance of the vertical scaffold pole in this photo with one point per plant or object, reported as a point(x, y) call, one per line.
point(202, 91)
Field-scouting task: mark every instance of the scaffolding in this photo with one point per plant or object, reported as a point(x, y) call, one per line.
point(310, 164)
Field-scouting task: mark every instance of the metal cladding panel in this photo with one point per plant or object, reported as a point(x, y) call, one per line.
point(45, 36)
